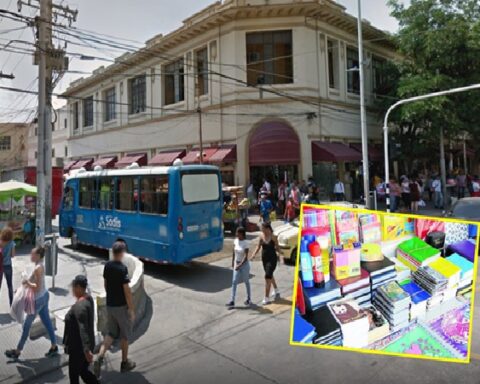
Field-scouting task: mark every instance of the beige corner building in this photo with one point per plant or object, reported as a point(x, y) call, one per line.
point(13, 146)
point(274, 84)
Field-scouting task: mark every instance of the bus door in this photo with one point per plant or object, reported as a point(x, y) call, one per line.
point(200, 208)
point(85, 216)
point(67, 209)
point(153, 207)
point(104, 220)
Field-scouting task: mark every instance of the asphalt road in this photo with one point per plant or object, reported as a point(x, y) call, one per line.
point(191, 338)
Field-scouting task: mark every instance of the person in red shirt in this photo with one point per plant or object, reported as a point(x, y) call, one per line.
point(290, 211)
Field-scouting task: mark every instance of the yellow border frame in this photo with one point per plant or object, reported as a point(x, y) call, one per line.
point(376, 352)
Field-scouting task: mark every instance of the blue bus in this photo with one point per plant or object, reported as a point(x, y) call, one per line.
point(163, 214)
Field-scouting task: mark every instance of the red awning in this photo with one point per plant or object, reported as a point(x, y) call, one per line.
point(139, 158)
point(374, 154)
point(274, 143)
point(167, 158)
point(224, 155)
point(106, 162)
point(333, 152)
point(193, 156)
point(67, 167)
point(84, 163)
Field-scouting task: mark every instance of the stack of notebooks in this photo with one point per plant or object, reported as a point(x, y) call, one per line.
point(357, 288)
point(416, 253)
point(319, 297)
point(303, 331)
point(451, 272)
point(419, 299)
point(379, 327)
point(353, 322)
point(327, 330)
point(394, 304)
point(381, 272)
point(433, 282)
point(466, 275)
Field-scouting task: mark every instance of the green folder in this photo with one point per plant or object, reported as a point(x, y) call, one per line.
point(418, 250)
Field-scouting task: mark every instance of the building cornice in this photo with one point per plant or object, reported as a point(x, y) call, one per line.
point(217, 14)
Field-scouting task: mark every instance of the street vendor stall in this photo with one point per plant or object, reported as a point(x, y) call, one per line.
point(235, 212)
point(15, 208)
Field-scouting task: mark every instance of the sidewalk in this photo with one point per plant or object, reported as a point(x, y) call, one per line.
point(32, 362)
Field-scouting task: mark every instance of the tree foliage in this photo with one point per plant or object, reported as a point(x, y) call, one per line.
point(439, 41)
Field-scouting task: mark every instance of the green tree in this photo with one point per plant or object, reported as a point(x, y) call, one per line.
point(439, 41)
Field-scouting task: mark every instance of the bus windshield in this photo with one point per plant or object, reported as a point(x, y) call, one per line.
point(200, 187)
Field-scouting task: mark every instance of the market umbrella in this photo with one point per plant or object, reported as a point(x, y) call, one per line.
point(16, 190)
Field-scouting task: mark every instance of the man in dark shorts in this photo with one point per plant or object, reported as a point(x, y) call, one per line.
point(79, 337)
point(120, 310)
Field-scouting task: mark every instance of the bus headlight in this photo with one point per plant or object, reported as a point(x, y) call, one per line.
point(216, 222)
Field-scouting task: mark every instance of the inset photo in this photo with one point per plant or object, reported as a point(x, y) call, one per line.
point(384, 283)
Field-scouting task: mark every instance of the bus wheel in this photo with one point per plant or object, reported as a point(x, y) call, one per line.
point(74, 240)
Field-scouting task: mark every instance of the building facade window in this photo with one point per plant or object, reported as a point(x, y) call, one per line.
point(76, 118)
point(110, 104)
point(65, 123)
point(66, 151)
point(353, 71)
point(137, 88)
point(88, 111)
point(202, 71)
point(378, 75)
point(269, 58)
point(5, 143)
point(174, 82)
point(333, 64)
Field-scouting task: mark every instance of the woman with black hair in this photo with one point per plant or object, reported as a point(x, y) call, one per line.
point(269, 246)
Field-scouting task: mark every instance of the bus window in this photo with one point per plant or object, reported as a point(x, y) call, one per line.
point(124, 194)
point(106, 186)
point(154, 195)
point(200, 187)
point(87, 193)
point(68, 198)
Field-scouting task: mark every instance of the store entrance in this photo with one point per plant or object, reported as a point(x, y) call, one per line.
point(275, 174)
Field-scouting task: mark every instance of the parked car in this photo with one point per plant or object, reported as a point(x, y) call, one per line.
point(287, 234)
point(468, 209)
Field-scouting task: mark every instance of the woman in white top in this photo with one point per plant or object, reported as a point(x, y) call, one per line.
point(37, 283)
point(241, 266)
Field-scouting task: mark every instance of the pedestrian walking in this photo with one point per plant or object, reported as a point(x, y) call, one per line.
point(281, 197)
point(415, 195)
point(8, 253)
point(405, 185)
point(120, 309)
point(461, 180)
point(339, 190)
point(290, 213)
point(241, 266)
point(269, 246)
point(36, 282)
point(437, 190)
point(266, 207)
point(395, 194)
point(79, 336)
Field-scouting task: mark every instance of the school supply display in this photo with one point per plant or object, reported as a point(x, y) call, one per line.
point(415, 253)
point(303, 332)
point(306, 265)
point(357, 288)
point(371, 252)
point(318, 297)
point(327, 330)
point(419, 299)
point(370, 228)
point(346, 261)
point(423, 227)
point(465, 248)
point(397, 227)
point(379, 327)
point(381, 272)
point(394, 303)
point(466, 274)
point(346, 228)
point(353, 322)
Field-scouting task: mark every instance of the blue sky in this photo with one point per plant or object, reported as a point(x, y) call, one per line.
point(136, 20)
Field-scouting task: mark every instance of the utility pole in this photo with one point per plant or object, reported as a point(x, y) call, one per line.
point(363, 112)
point(44, 149)
point(443, 169)
point(199, 111)
point(49, 60)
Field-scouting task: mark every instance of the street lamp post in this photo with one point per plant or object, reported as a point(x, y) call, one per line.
point(407, 101)
point(363, 112)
